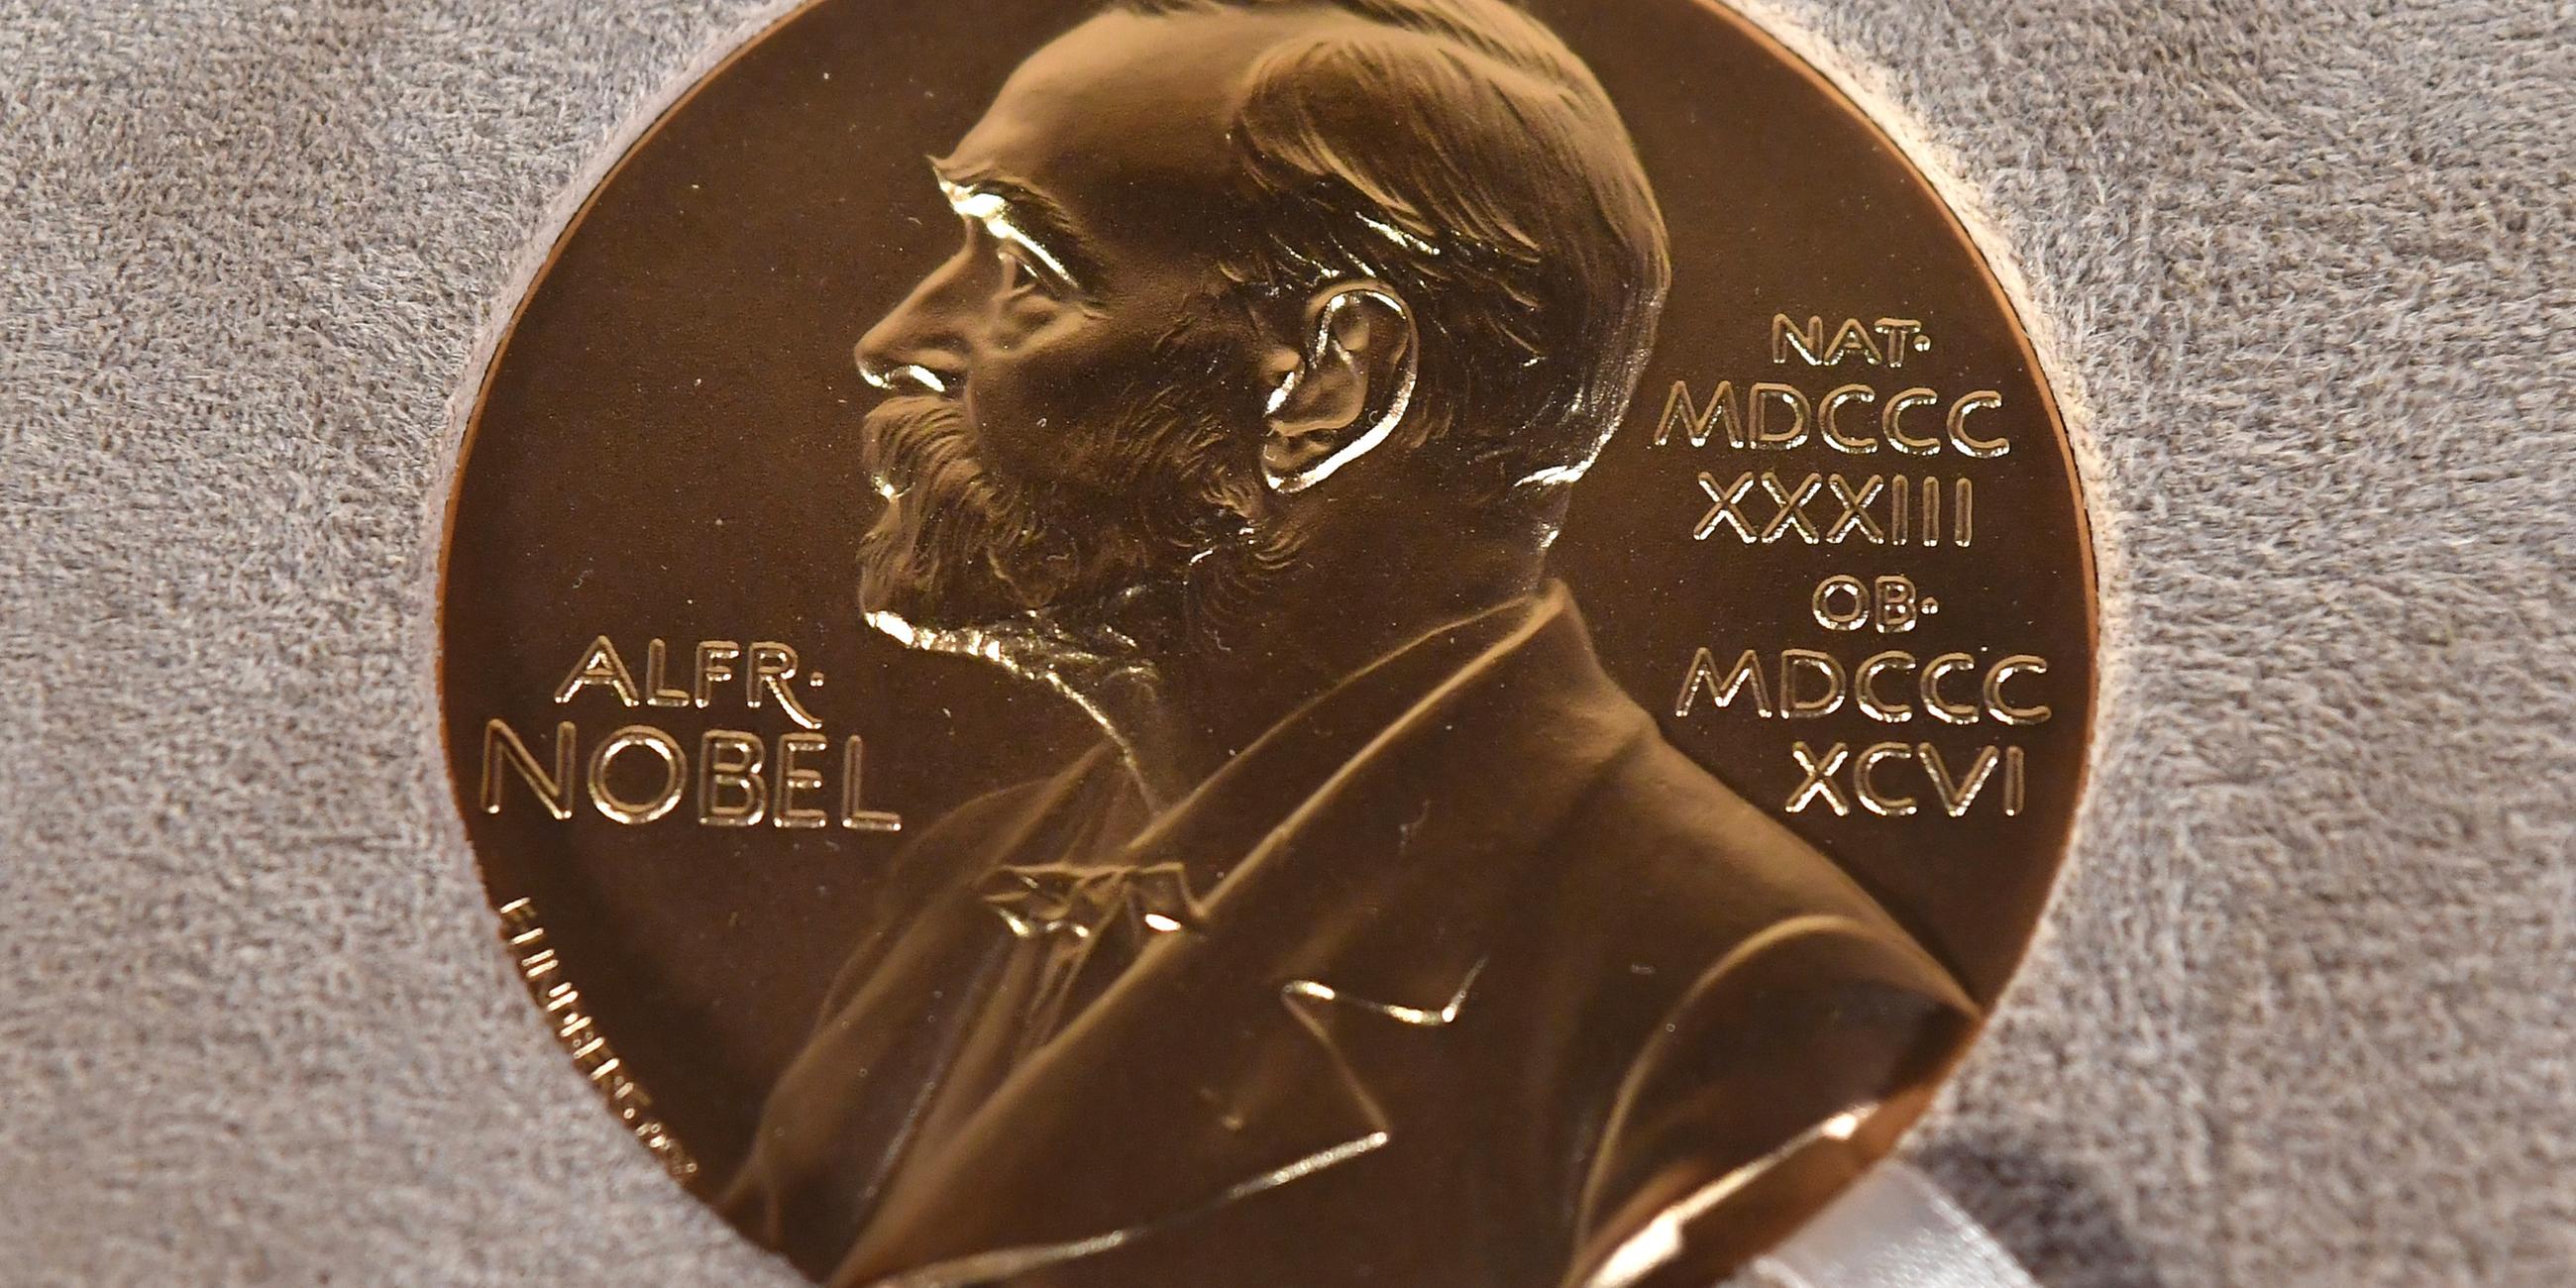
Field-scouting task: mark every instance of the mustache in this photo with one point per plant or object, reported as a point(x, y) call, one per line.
point(946, 512)
point(1129, 515)
point(907, 440)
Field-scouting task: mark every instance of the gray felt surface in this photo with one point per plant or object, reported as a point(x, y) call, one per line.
point(2305, 269)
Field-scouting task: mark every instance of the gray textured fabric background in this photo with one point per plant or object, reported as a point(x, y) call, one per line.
point(2306, 271)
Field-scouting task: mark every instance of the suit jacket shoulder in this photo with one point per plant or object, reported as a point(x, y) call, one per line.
point(1754, 990)
point(1690, 867)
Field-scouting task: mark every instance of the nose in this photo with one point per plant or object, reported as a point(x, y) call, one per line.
point(920, 346)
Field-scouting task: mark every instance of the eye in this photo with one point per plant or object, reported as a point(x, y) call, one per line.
point(1019, 276)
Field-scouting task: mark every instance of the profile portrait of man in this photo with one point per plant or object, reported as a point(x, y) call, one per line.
point(1383, 939)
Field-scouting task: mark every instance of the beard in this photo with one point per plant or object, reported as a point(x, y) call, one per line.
point(1148, 534)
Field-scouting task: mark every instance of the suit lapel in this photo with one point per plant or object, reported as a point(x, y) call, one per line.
point(1293, 1028)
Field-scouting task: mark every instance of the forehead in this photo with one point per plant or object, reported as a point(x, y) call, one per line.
point(1124, 120)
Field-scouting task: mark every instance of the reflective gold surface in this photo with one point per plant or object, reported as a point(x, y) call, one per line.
point(1298, 776)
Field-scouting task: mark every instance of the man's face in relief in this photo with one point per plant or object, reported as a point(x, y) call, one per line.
point(1076, 397)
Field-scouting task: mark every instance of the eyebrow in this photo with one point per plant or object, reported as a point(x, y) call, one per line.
point(1021, 215)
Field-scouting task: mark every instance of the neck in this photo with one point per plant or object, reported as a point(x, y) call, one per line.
point(1179, 717)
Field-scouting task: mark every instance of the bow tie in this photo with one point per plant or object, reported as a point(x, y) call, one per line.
point(1083, 902)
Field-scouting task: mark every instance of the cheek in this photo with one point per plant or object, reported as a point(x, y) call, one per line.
point(1032, 384)
point(1049, 392)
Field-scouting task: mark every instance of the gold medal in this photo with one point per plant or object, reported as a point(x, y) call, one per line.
point(1220, 641)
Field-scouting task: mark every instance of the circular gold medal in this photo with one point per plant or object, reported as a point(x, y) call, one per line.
point(1312, 642)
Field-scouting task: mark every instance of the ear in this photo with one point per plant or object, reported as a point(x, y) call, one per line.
point(1346, 390)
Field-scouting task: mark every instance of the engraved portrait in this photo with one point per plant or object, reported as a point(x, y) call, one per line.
point(1381, 937)
point(1129, 643)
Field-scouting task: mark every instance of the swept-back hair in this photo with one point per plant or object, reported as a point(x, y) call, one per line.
point(1460, 152)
